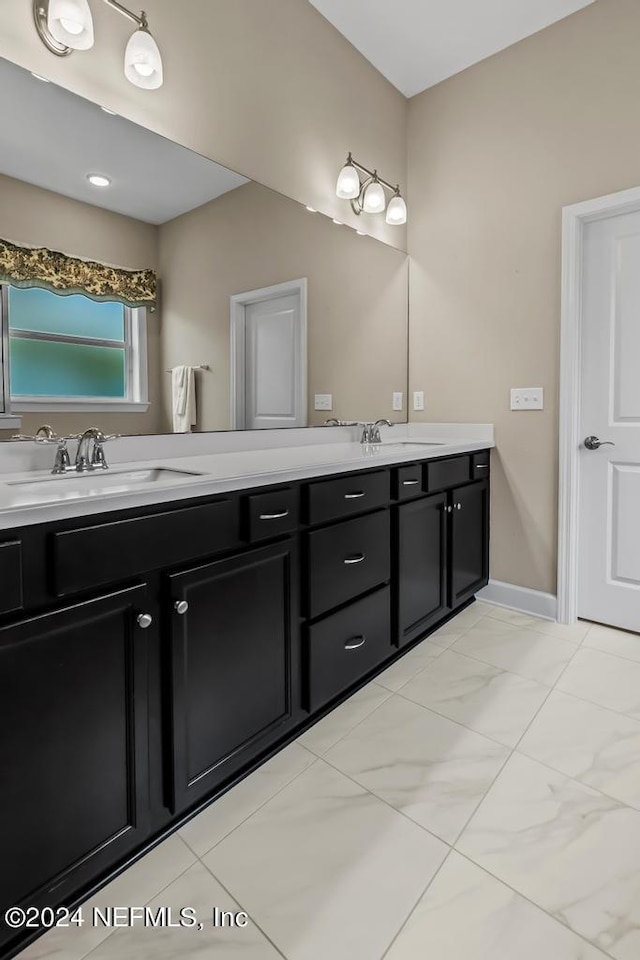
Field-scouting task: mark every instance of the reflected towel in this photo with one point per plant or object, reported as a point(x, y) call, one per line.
point(183, 399)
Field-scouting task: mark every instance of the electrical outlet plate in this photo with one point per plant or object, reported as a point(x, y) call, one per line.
point(527, 398)
point(323, 401)
point(397, 401)
point(418, 400)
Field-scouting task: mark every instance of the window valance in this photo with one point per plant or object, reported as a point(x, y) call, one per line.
point(24, 266)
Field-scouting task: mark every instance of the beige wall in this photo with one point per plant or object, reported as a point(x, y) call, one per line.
point(266, 87)
point(39, 217)
point(494, 155)
point(253, 238)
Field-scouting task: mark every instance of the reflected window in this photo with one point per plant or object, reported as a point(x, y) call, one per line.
point(73, 350)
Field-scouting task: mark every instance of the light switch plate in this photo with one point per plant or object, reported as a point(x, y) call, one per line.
point(527, 398)
point(418, 400)
point(397, 401)
point(323, 401)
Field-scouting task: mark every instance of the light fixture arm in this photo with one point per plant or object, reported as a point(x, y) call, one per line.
point(371, 174)
point(142, 21)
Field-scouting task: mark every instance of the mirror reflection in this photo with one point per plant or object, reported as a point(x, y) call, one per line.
point(149, 289)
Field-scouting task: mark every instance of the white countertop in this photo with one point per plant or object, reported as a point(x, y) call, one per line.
point(221, 472)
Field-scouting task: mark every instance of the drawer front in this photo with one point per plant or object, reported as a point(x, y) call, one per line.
point(480, 465)
point(114, 552)
point(346, 560)
point(345, 496)
point(11, 576)
point(442, 474)
point(407, 482)
point(271, 514)
point(346, 647)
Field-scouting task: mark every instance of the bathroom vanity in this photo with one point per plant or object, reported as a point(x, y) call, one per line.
point(151, 655)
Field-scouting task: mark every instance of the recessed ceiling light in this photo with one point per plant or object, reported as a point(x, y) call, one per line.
point(338, 223)
point(111, 113)
point(97, 180)
point(312, 209)
point(38, 77)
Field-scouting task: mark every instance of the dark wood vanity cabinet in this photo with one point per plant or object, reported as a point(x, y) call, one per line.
point(233, 667)
point(73, 746)
point(264, 608)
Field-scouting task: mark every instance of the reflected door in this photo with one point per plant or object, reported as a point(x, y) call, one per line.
point(270, 361)
point(609, 581)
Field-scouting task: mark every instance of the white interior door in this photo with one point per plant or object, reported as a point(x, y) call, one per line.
point(609, 560)
point(269, 363)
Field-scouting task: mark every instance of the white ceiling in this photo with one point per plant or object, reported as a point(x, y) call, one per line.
point(52, 138)
point(417, 43)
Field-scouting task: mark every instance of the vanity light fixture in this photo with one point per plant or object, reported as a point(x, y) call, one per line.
point(97, 180)
point(67, 25)
point(366, 191)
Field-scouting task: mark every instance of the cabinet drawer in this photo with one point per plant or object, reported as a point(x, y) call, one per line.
point(346, 646)
point(407, 482)
point(344, 496)
point(346, 560)
point(442, 474)
point(271, 514)
point(480, 465)
point(114, 552)
point(10, 576)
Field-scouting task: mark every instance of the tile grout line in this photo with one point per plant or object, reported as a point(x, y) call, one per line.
point(259, 807)
point(416, 904)
point(537, 906)
point(241, 905)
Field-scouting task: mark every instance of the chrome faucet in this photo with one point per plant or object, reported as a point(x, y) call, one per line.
point(90, 454)
point(371, 431)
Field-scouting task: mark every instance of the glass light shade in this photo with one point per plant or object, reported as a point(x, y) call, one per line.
point(348, 185)
point(142, 61)
point(374, 200)
point(70, 22)
point(396, 212)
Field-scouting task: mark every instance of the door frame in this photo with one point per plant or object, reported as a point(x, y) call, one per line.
point(239, 302)
point(574, 221)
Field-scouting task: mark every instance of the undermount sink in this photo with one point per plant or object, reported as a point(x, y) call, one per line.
point(77, 486)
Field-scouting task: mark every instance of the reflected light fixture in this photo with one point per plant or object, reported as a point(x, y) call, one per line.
point(366, 191)
point(67, 25)
point(98, 180)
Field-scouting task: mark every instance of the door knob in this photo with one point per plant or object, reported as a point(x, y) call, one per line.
point(592, 443)
point(181, 607)
point(144, 620)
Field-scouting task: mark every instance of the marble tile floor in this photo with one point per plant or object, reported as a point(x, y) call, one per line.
point(480, 800)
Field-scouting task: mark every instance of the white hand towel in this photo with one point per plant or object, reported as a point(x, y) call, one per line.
point(183, 399)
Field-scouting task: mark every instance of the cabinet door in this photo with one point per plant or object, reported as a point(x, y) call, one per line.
point(469, 541)
point(73, 746)
point(235, 666)
point(421, 580)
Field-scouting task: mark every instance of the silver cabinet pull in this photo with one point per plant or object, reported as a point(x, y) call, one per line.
point(181, 607)
point(448, 509)
point(144, 620)
point(458, 506)
point(355, 643)
point(274, 516)
point(482, 466)
point(409, 483)
point(354, 496)
point(592, 443)
point(356, 559)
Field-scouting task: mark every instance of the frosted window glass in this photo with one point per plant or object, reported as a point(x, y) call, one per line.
point(41, 368)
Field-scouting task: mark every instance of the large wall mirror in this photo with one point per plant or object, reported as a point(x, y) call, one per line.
point(278, 309)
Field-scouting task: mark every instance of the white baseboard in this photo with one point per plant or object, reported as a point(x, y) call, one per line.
point(533, 602)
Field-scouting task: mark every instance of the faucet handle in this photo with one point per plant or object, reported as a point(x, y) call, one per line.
point(62, 462)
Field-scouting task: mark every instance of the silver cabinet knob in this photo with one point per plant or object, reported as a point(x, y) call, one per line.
point(458, 506)
point(592, 443)
point(144, 620)
point(181, 607)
